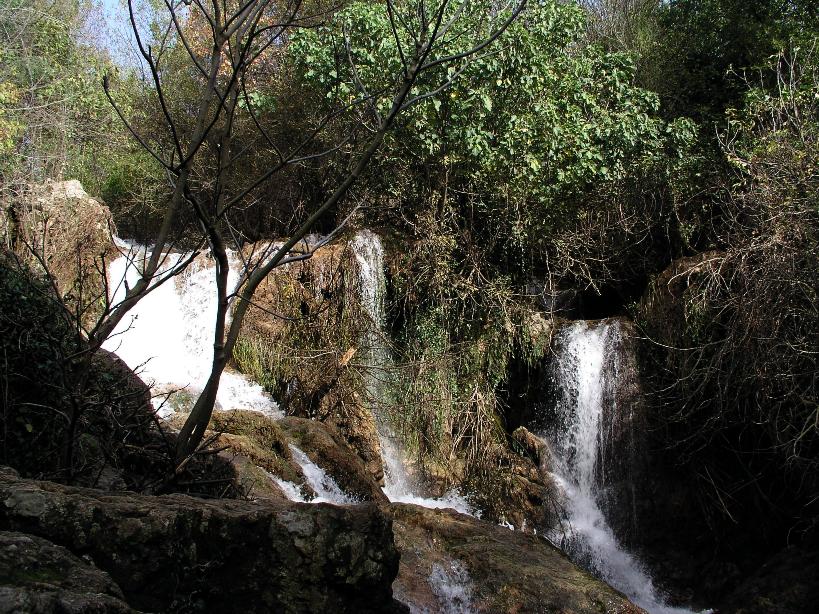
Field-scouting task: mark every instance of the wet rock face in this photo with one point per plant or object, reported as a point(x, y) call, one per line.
point(327, 448)
point(625, 448)
point(175, 552)
point(520, 494)
point(452, 562)
point(526, 383)
point(534, 448)
point(304, 355)
point(356, 424)
point(256, 447)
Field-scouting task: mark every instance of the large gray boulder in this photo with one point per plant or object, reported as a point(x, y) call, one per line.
point(171, 553)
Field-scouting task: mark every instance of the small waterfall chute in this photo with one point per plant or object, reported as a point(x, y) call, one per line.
point(452, 587)
point(290, 490)
point(326, 488)
point(399, 486)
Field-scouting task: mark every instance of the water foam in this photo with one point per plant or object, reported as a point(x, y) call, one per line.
point(452, 587)
point(325, 487)
point(290, 490)
point(168, 336)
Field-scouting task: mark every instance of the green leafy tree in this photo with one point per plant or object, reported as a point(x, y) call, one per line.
point(703, 42)
point(541, 136)
point(538, 119)
point(54, 120)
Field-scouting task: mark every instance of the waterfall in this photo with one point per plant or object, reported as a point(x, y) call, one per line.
point(167, 338)
point(398, 485)
point(586, 375)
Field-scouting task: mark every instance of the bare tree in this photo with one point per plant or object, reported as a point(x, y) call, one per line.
point(240, 33)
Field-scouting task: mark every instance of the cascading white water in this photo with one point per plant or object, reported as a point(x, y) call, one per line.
point(325, 487)
point(167, 338)
point(290, 489)
point(578, 443)
point(398, 485)
point(452, 587)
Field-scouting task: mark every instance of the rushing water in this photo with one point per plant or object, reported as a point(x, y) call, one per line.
point(168, 336)
point(398, 484)
point(325, 487)
point(452, 587)
point(586, 377)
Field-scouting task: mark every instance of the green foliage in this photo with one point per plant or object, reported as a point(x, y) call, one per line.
point(702, 43)
point(544, 159)
point(536, 119)
point(134, 191)
point(445, 397)
point(483, 179)
point(257, 358)
point(54, 119)
point(545, 127)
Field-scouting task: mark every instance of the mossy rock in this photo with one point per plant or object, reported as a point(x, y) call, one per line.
point(253, 446)
point(263, 431)
point(505, 571)
point(514, 489)
point(176, 553)
point(328, 448)
point(38, 576)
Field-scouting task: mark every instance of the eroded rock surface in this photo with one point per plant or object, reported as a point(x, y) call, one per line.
point(39, 577)
point(327, 448)
point(71, 234)
point(305, 355)
point(175, 552)
point(448, 558)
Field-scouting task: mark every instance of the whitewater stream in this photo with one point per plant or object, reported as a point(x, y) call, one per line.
point(325, 487)
point(586, 373)
point(398, 484)
point(167, 338)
